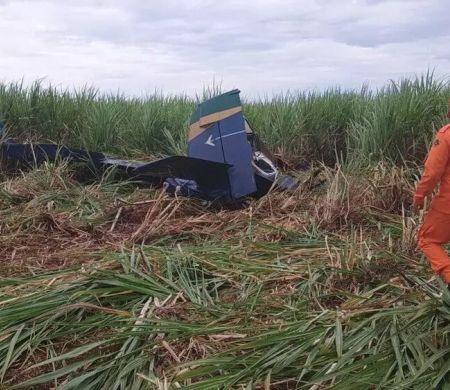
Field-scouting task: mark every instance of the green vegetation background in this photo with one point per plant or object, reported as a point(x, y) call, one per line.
point(394, 123)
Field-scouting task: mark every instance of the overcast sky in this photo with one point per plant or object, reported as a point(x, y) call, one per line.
point(259, 46)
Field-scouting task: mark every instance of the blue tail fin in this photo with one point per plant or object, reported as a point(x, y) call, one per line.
point(218, 133)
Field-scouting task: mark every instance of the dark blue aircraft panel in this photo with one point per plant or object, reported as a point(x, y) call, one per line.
point(207, 145)
point(238, 153)
point(182, 167)
point(211, 177)
point(38, 153)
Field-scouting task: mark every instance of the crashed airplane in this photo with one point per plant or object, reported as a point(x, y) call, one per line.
point(225, 161)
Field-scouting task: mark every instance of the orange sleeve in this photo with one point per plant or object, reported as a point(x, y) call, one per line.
point(435, 165)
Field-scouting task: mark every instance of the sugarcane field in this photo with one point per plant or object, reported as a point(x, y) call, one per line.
point(108, 284)
point(189, 205)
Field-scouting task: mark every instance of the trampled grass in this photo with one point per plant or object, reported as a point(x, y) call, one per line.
point(314, 289)
point(104, 285)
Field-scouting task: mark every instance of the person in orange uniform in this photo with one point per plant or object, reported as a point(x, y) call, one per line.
point(435, 231)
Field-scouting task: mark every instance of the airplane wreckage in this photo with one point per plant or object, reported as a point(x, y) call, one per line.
point(225, 161)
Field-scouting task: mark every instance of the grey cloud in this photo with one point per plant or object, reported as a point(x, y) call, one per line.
point(259, 45)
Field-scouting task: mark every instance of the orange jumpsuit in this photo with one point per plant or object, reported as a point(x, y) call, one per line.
point(435, 231)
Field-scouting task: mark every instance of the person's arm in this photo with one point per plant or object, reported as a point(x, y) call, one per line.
point(435, 166)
